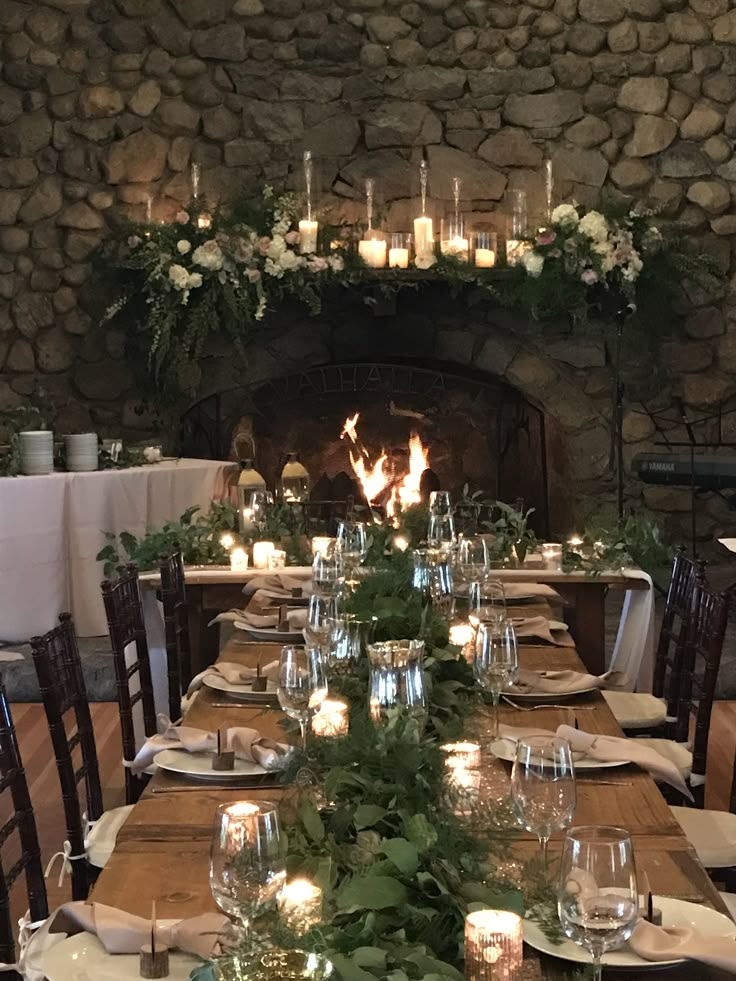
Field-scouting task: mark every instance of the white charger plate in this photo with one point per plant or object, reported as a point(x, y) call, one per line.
point(545, 696)
point(83, 957)
point(242, 693)
point(271, 635)
point(505, 749)
point(199, 767)
point(675, 912)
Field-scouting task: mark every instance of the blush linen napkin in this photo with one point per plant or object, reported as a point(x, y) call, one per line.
point(235, 674)
point(655, 943)
point(247, 744)
point(607, 749)
point(563, 682)
point(514, 590)
point(277, 585)
point(297, 619)
point(540, 628)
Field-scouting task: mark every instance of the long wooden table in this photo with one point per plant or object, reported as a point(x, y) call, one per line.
point(162, 852)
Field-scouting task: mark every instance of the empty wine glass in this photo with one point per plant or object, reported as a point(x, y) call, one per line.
point(471, 559)
point(487, 602)
point(597, 899)
point(352, 542)
point(440, 502)
point(321, 610)
point(302, 684)
point(495, 663)
point(247, 865)
point(327, 571)
point(441, 532)
point(543, 786)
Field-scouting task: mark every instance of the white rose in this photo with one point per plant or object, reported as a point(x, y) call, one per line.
point(424, 261)
point(194, 280)
point(178, 276)
point(594, 225)
point(277, 247)
point(273, 269)
point(565, 214)
point(208, 256)
point(290, 260)
point(337, 263)
point(182, 246)
point(533, 263)
point(152, 454)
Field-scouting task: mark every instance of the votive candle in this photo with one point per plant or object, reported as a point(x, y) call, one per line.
point(398, 258)
point(262, 552)
point(462, 634)
point(485, 258)
point(321, 545)
point(423, 236)
point(332, 719)
point(493, 945)
point(204, 221)
point(239, 560)
point(575, 541)
point(277, 559)
point(373, 252)
point(300, 905)
point(308, 235)
point(552, 554)
point(227, 540)
point(456, 246)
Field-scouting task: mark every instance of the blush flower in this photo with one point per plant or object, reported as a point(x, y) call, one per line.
point(182, 217)
point(589, 276)
point(292, 238)
point(546, 237)
point(264, 244)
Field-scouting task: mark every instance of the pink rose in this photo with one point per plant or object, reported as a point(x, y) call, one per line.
point(546, 237)
point(292, 238)
point(555, 253)
point(210, 246)
point(589, 276)
point(182, 217)
point(254, 275)
point(264, 244)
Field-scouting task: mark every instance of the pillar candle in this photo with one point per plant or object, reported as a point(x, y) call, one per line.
point(308, 235)
point(373, 252)
point(423, 236)
point(262, 552)
point(485, 258)
point(398, 258)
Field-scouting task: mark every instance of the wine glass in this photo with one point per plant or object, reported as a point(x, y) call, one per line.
point(327, 570)
point(440, 502)
point(302, 684)
point(471, 559)
point(441, 532)
point(597, 899)
point(487, 602)
point(543, 786)
point(247, 865)
point(352, 542)
point(495, 663)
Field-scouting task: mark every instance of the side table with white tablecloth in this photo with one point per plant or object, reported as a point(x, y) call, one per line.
point(53, 526)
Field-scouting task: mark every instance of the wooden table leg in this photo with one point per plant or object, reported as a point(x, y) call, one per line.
point(205, 640)
point(588, 623)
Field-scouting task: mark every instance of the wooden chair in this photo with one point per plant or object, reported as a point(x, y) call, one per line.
point(640, 712)
point(176, 625)
point(90, 830)
point(13, 784)
point(133, 683)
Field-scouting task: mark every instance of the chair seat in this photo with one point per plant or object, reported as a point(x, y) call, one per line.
point(636, 710)
point(678, 754)
point(729, 899)
point(103, 835)
point(711, 833)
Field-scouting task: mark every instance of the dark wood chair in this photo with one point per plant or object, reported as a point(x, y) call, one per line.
point(133, 683)
point(13, 785)
point(176, 625)
point(64, 694)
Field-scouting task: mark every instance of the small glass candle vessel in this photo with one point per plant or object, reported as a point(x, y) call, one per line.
point(552, 554)
point(517, 228)
point(462, 773)
point(373, 251)
point(262, 552)
point(493, 946)
point(332, 719)
point(322, 545)
point(277, 559)
point(485, 249)
point(400, 250)
point(300, 905)
point(453, 239)
point(227, 540)
point(239, 560)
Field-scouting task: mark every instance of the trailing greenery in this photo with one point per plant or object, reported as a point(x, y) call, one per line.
point(610, 543)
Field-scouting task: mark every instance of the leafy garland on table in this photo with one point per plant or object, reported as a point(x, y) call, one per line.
point(612, 543)
point(184, 281)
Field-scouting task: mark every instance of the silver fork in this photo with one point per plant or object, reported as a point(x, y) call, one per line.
point(547, 705)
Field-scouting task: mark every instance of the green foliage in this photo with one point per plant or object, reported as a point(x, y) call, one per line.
point(610, 543)
point(512, 535)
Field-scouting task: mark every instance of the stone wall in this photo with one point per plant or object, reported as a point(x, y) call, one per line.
point(103, 102)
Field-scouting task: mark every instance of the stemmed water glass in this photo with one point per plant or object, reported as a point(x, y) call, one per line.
point(327, 570)
point(247, 865)
point(543, 786)
point(487, 602)
point(597, 899)
point(441, 532)
point(302, 684)
point(495, 663)
point(471, 559)
point(352, 543)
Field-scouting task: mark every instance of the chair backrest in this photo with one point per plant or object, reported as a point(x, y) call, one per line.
point(133, 682)
point(13, 784)
point(701, 663)
point(673, 632)
point(176, 625)
point(64, 694)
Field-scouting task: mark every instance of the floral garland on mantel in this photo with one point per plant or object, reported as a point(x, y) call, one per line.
point(207, 273)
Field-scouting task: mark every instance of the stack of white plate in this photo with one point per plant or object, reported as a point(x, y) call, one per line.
point(81, 452)
point(37, 452)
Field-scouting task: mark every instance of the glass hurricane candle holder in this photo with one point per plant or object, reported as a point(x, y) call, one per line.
point(300, 905)
point(308, 231)
point(373, 251)
point(400, 251)
point(485, 249)
point(239, 560)
point(493, 946)
point(453, 240)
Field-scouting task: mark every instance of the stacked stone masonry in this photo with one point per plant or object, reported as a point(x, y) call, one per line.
point(105, 102)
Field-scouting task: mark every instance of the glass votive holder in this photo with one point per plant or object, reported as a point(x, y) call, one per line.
point(277, 559)
point(300, 905)
point(551, 554)
point(453, 240)
point(332, 719)
point(493, 946)
point(238, 560)
point(399, 252)
point(372, 250)
point(485, 249)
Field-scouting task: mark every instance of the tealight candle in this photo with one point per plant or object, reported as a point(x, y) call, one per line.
point(262, 552)
point(238, 560)
point(575, 541)
point(485, 258)
point(227, 540)
point(308, 235)
point(423, 236)
point(204, 221)
point(493, 946)
point(300, 904)
point(373, 252)
point(462, 634)
point(462, 754)
point(321, 545)
point(332, 719)
point(462, 772)
point(400, 543)
point(277, 559)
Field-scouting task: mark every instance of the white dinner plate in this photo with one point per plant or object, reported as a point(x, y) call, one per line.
point(83, 956)
point(271, 635)
point(505, 749)
point(675, 912)
point(242, 693)
point(199, 767)
point(545, 696)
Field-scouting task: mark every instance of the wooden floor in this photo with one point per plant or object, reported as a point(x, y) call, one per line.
point(38, 758)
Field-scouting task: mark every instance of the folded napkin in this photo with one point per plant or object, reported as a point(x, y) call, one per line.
point(248, 744)
point(661, 943)
point(277, 585)
point(244, 619)
point(564, 682)
point(607, 749)
point(513, 590)
point(235, 674)
point(541, 628)
point(123, 933)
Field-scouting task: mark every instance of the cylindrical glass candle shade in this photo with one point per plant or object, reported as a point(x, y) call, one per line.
point(308, 231)
point(300, 905)
point(517, 227)
point(493, 946)
point(453, 240)
point(373, 252)
point(400, 251)
point(485, 249)
point(552, 554)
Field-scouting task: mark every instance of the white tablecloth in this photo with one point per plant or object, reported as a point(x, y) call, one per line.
point(52, 527)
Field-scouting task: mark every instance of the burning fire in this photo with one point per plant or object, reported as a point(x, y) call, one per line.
point(378, 477)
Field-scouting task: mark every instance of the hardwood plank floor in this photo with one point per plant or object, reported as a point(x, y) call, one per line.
point(38, 759)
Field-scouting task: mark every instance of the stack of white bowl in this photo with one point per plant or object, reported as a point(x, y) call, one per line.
point(37, 452)
point(81, 452)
